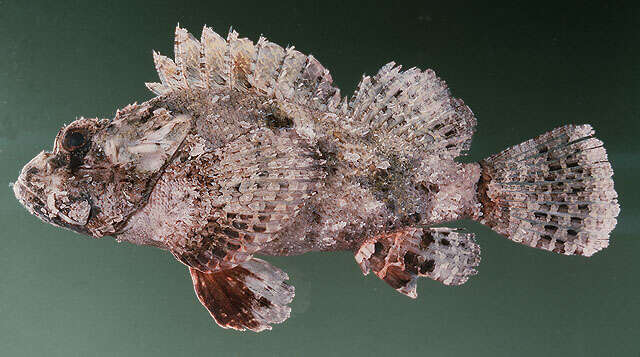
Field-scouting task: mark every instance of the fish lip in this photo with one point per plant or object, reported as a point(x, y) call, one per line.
point(36, 206)
point(25, 195)
point(32, 202)
point(33, 197)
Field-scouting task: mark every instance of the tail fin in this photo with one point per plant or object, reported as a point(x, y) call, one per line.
point(553, 192)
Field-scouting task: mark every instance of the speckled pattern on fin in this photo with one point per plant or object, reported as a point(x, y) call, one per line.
point(412, 110)
point(238, 64)
point(258, 185)
point(264, 178)
point(251, 296)
point(443, 254)
point(553, 192)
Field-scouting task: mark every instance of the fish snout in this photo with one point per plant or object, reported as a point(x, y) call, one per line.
point(45, 194)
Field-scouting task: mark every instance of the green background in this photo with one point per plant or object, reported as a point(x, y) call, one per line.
point(523, 70)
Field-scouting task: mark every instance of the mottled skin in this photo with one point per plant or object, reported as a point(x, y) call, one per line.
point(354, 200)
point(248, 149)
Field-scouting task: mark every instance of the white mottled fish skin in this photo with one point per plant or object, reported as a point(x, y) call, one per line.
point(248, 149)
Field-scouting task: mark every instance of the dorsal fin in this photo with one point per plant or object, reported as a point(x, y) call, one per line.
point(412, 110)
point(239, 64)
point(187, 52)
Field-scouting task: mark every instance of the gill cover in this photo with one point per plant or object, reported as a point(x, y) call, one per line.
point(100, 172)
point(137, 144)
point(143, 138)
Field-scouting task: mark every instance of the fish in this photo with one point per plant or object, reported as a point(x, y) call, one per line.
point(248, 150)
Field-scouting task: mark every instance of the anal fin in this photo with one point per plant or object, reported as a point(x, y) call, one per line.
point(443, 254)
point(250, 296)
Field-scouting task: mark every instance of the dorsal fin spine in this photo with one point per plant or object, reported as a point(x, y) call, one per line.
point(239, 64)
point(187, 50)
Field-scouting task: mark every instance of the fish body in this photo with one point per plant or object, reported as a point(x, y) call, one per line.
point(248, 149)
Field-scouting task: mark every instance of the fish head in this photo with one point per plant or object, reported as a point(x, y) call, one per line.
point(101, 171)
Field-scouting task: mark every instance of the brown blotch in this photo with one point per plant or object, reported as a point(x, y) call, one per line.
point(213, 227)
point(218, 251)
point(225, 300)
point(259, 228)
point(230, 232)
point(540, 215)
point(427, 266)
point(264, 302)
point(428, 187)
point(346, 236)
point(397, 277)
point(411, 263)
point(378, 247)
point(240, 225)
point(491, 211)
point(577, 189)
point(426, 240)
point(278, 121)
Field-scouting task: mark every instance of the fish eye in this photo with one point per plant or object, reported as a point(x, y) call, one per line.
point(73, 139)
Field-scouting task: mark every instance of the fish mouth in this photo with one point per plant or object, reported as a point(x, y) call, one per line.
point(32, 202)
point(46, 210)
point(28, 198)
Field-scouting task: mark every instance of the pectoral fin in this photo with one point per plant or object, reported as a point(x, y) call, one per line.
point(250, 296)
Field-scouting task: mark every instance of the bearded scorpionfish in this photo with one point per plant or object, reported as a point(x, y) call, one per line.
point(249, 149)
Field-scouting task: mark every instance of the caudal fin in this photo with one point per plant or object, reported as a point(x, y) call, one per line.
point(553, 192)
